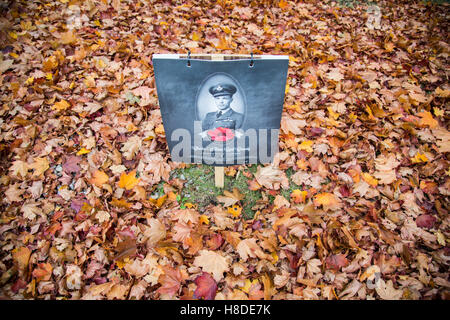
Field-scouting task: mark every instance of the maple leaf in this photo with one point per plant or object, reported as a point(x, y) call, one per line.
point(182, 232)
point(186, 215)
point(425, 221)
point(61, 105)
point(369, 179)
point(43, 272)
point(235, 210)
point(336, 261)
point(155, 232)
point(271, 177)
point(426, 119)
point(386, 290)
point(36, 189)
point(281, 201)
point(71, 164)
point(128, 181)
point(299, 196)
point(13, 193)
point(170, 281)
point(21, 256)
point(68, 37)
point(306, 145)
point(99, 178)
point(249, 248)
point(288, 124)
point(30, 210)
point(19, 167)
point(229, 199)
point(213, 263)
point(131, 147)
point(206, 287)
point(327, 200)
point(335, 74)
point(140, 268)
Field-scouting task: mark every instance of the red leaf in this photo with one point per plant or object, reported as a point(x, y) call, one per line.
point(214, 242)
point(425, 221)
point(71, 164)
point(206, 287)
point(336, 261)
point(170, 281)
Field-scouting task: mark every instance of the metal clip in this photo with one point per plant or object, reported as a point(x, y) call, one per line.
point(189, 58)
point(251, 60)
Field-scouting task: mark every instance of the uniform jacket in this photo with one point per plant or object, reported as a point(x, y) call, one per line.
point(231, 119)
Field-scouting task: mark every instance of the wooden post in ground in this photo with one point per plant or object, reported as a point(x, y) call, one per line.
point(219, 176)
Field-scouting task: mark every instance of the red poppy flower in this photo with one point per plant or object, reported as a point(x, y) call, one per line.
point(221, 134)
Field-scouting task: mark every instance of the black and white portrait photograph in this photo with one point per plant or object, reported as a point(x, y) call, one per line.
point(221, 112)
point(220, 104)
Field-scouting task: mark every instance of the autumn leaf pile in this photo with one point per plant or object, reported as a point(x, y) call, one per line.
point(364, 132)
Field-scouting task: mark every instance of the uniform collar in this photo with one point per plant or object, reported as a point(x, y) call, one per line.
point(229, 110)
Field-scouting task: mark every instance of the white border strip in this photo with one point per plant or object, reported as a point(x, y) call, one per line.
point(260, 57)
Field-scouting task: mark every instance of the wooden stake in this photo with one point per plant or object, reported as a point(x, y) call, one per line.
point(219, 176)
point(218, 171)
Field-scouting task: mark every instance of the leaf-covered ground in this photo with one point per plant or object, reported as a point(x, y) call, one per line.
point(355, 205)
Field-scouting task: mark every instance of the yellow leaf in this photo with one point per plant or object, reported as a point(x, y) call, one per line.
point(99, 178)
point(235, 210)
point(274, 257)
point(204, 219)
point(97, 23)
point(195, 36)
point(13, 35)
point(418, 158)
point(306, 145)
point(427, 119)
point(328, 200)
point(333, 115)
point(49, 76)
point(248, 283)
point(369, 179)
point(61, 105)
point(299, 196)
point(83, 151)
point(226, 30)
point(50, 63)
point(283, 4)
point(438, 112)
point(189, 205)
point(29, 81)
point(14, 55)
point(161, 201)
point(128, 181)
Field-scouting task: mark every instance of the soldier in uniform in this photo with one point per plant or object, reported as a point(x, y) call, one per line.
point(225, 116)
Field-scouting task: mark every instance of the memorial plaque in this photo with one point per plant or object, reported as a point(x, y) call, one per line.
point(222, 112)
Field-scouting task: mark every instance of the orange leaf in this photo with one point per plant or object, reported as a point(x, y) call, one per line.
point(128, 181)
point(328, 200)
point(235, 210)
point(99, 178)
point(369, 179)
point(43, 272)
point(427, 119)
point(299, 196)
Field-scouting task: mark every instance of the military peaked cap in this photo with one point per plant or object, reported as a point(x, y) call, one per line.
point(222, 90)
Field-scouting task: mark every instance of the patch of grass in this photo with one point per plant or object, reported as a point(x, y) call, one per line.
point(200, 188)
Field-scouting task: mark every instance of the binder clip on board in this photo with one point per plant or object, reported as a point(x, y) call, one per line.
point(221, 110)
